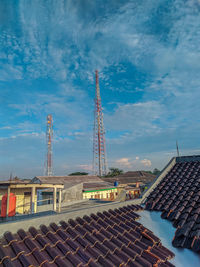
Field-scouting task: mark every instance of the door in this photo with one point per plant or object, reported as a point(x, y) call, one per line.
point(111, 196)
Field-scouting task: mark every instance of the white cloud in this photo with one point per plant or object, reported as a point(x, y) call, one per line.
point(146, 162)
point(124, 162)
point(46, 48)
point(134, 164)
point(139, 119)
point(6, 128)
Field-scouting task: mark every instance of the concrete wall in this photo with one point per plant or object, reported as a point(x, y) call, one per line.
point(100, 194)
point(44, 207)
point(63, 204)
point(74, 193)
point(23, 203)
point(36, 222)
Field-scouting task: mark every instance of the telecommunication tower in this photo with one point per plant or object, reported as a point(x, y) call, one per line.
point(49, 139)
point(99, 144)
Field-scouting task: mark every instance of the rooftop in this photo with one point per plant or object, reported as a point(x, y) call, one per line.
point(177, 196)
point(109, 238)
point(63, 179)
point(132, 177)
point(96, 186)
point(109, 234)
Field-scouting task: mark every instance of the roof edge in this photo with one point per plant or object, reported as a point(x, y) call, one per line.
point(166, 169)
point(163, 173)
point(188, 158)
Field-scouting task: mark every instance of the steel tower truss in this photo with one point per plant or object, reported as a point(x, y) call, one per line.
point(49, 138)
point(99, 144)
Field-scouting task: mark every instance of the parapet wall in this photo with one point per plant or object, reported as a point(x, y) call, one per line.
point(73, 214)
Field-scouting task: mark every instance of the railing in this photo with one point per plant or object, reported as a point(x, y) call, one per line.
point(26, 208)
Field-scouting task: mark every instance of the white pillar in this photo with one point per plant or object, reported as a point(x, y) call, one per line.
point(54, 198)
point(60, 199)
point(33, 199)
point(8, 198)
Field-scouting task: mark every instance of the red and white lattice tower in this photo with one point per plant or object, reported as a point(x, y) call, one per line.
point(99, 144)
point(49, 139)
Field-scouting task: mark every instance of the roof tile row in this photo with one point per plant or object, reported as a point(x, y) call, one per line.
point(177, 196)
point(111, 238)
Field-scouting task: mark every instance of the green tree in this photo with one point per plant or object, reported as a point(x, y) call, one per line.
point(156, 171)
point(114, 172)
point(78, 173)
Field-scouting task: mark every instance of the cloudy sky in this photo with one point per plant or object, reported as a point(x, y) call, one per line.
point(148, 56)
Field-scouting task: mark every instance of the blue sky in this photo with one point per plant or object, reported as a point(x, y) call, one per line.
point(148, 56)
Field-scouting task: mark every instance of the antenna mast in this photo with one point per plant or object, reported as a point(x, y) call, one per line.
point(177, 149)
point(49, 138)
point(99, 144)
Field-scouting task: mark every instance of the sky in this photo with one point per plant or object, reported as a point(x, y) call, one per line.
point(148, 56)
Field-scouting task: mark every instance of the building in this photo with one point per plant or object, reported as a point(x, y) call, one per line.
point(77, 188)
point(132, 177)
point(109, 235)
point(44, 193)
point(26, 195)
point(108, 238)
point(101, 190)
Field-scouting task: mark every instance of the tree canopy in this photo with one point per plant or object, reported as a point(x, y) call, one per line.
point(156, 171)
point(114, 172)
point(78, 173)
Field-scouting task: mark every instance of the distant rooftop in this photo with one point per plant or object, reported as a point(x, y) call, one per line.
point(72, 180)
point(99, 185)
point(132, 177)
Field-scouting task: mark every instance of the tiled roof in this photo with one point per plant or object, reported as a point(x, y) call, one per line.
point(10, 182)
point(132, 177)
point(97, 185)
point(178, 197)
point(110, 238)
point(66, 179)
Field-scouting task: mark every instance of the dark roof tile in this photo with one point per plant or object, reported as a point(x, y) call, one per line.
point(196, 244)
point(102, 239)
point(179, 199)
point(179, 241)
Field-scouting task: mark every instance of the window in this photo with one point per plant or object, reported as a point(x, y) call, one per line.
point(27, 193)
